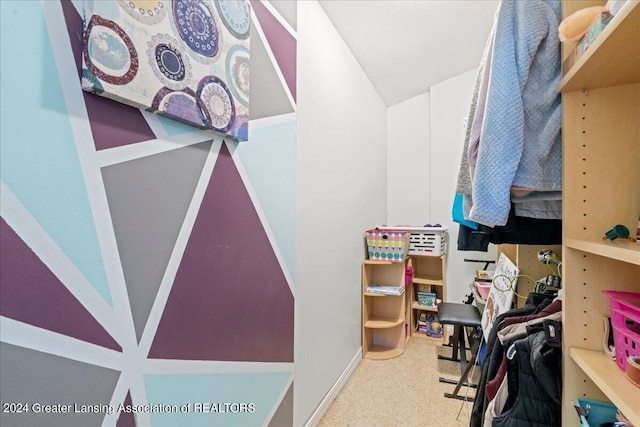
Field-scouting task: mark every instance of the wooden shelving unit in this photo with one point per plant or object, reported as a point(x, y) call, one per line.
point(526, 258)
point(612, 60)
point(429, 273)
point(605, 373)
point(601, 188)
point(384, 317)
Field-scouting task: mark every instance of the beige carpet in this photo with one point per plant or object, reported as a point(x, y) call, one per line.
point(402, 392)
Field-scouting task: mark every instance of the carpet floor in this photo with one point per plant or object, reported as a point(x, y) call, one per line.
point(402, 392)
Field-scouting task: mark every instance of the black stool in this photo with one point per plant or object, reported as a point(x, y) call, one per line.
point(462, 317)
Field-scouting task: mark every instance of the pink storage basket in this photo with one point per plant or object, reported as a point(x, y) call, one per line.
point(385, 244)
point(625, 318)
point(483, 288)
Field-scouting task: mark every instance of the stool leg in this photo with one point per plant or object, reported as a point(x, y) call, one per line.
point(457, 344)
point(463, 378)
point(462, 348)
point(458, 350)
point(474, 343)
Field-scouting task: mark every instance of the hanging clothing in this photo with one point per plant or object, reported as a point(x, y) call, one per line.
point(537, 204)
point(536, 307)
point(511, 333)
point(474, 124)
point(536, 388)
point(518, 230)
point(490, 367)
point(497, 403)
point(481, 103)
point(520, 141)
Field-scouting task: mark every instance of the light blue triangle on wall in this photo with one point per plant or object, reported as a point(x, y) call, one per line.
point(40, 163)
point(174, 127)
point(238, 399)
point(269, 158)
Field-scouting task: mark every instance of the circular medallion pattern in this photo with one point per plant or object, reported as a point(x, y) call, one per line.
point(237, 68)
point(196, 26)
point(216, 103)
point(168, 63)
point(178, 104)
point(236, 16)
point(241, 127)
point(90, 83)
point(145, 11)
point(109, 53)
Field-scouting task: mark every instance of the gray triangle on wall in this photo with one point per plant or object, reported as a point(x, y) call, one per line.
point(148, 200)
point(284, 414)
point(268, 96)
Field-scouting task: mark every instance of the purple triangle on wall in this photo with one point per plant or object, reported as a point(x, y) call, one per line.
point(230, 300)
point(127, 419)
point(32, 294)
point(282, 43)
point(130, 127)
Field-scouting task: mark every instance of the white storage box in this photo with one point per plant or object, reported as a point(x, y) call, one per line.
point(429, 241)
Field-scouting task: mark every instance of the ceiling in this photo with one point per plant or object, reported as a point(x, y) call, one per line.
point(407, 46)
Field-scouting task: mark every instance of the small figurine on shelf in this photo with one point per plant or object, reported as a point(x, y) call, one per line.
point(434, 327)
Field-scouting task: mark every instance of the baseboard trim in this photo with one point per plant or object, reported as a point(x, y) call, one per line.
point(323, 407)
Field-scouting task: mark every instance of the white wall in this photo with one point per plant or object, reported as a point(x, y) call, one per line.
point(341, 190)
point(408, 162)
point(450, 101)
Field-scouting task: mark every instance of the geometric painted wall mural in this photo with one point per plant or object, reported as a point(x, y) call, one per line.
point(185, 59)
point(281, 43)
point(57, 381)
point(228, 264)
point(32, 294)
point(144, 262)
point(149, 199)
point(275, 50)
point(278, 191)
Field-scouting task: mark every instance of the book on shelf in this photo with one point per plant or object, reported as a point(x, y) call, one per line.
point(376, 288)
